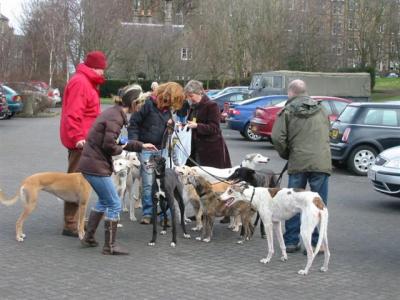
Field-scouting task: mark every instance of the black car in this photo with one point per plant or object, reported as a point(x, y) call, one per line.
point(362, 131)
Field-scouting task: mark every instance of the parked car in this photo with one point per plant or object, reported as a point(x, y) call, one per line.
point(14, 100)
point(392, 75)
point(231, 89)
point(212, 92)
point(362, 131)
point(4, 111)
point(233, 97)
point(384, 172)
point(241, 113)
point(43, 99)
point(52, 93)
point(264, 117)
point(55, 96)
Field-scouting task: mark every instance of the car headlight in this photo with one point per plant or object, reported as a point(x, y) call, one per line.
point(393, 163)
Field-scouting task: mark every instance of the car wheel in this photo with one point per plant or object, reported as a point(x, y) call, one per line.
point(360, 159)
point(3, 116)
point(250, 135)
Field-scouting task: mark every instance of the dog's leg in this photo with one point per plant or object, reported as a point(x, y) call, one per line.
point(154, 220)
point(163, 206)
point(171, 203)
point(306, 230)
point(138, 194)
point(279, 236)
point(28, 196)
point(270, 241)
point(209, 224)
point(204, 229)
point(129, 190)
point(199, 213)
point(324, 233)
point(181, 205)
point(327, 254)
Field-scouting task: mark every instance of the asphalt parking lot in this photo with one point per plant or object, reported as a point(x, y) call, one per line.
point(363, 234)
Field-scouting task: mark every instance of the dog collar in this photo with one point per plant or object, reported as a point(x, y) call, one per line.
point(202, 194)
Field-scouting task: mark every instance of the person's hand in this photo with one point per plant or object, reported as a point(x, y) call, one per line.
point(170, 122)
point(192, 124)
point(80, 144)
point(150, 147)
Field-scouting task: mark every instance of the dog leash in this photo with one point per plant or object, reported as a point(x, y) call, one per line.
point(278, 182)
point(196, 163)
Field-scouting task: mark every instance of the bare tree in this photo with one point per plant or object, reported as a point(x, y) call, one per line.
point(368, 16)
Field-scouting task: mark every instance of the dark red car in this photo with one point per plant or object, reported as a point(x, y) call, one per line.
point(264, 117)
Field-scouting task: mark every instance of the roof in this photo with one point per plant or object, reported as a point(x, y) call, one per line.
point(3, 18)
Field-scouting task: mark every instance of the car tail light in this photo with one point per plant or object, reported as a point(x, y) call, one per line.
point(258, 112)
point(234, 112)
point(16, 98)
point(345, 136)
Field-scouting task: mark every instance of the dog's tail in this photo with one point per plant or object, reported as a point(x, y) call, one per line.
point(6, 201)
point(323, 230)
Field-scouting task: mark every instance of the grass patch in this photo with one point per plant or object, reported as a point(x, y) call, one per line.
point(386, 89)
point(106, 101)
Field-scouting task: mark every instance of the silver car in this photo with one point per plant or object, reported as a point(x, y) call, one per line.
point(385, 172)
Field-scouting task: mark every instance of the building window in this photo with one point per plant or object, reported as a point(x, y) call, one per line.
point(337, 28)
point(186, 54)
point(350, 25)
point(339, 49)
point(291, 4)
point(337, 8)
point(353, 5)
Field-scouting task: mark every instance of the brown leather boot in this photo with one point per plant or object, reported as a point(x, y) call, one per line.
point(70, 219)
point(110, 246)
point(93, 223)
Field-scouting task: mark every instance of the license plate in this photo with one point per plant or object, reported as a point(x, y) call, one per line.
point(371, 174)
point(334, 133)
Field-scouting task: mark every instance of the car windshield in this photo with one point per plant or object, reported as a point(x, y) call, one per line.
point(280, 104)
point(347, 115)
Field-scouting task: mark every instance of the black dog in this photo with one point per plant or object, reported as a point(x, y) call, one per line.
point(166, 188)
point(265, 178)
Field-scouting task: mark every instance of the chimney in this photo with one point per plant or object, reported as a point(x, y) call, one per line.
point(168, 12)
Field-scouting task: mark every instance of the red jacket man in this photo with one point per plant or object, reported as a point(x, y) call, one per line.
point(80, 107)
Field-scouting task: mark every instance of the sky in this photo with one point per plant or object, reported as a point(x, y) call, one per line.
point(12, 9)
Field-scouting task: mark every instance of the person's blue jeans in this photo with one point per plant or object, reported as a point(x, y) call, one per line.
point(147, 173)
point(318, 183)
point(108, 202)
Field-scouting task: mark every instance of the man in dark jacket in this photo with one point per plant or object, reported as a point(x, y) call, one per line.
point(301, 135)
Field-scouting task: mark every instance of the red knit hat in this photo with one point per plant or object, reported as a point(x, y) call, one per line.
point(96, 60)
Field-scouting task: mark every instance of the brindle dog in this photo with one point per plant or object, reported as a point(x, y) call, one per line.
point(213, 207)
point(166, 188)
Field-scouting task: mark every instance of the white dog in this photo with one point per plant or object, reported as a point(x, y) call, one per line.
point(254, 161)
point(276, 205)
point(126, 174)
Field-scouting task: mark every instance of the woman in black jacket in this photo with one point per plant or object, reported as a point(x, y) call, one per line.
point(149, 125)
point(96, 166)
